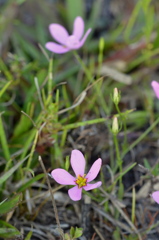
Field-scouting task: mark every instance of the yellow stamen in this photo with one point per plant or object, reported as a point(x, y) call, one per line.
point(81, 181)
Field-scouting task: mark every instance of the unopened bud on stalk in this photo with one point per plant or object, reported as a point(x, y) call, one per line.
point(101, 44)
point(116, 96)
point(115, 126)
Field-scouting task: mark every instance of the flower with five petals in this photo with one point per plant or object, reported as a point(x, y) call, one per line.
point(82, 180)
point(67, 42)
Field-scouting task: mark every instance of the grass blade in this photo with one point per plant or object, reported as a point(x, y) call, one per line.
point(3, 140)
point(10, 204)
point(5, 176)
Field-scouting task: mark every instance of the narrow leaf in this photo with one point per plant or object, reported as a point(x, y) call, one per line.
point(3, 141)
point(5, 88)
point(10, 204)
point(6, 175)
point(30, 182)
point(9, 232)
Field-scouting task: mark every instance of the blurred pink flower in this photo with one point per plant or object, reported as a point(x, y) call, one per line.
point(81, 181)
point(67, 42)
point(155, 196)
point(155, 86)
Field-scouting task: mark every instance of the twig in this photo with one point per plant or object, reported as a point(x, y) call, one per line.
point(116, 75)
point(45, 194)
point(112, 220)
point(80, 100)
point(99, 234)
point(52, 198)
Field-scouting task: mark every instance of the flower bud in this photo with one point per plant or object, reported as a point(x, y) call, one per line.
point(116, 96)
point(101, 44)
point(115, 126)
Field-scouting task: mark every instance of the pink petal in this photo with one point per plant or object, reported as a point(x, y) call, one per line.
point(63, 177)
point(93, 172)
point(84, 38)
point(75, 193)
point(56, 48)
point(155, 86)
point(155, 196)
point(78, 162)
point(78, 27)
point(59, 33)
point(92, 186)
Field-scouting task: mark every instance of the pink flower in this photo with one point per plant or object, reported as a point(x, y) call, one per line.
point(67, 42)
point(155, 196)
point(155, 86)
point(81, 181)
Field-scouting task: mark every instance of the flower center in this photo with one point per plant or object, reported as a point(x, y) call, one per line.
point(81, 181)
point(72, 42)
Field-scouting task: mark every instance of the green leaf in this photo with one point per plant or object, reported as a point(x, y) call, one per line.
point(66, 236)
point(5, 70)
point(7, 230)
point(5, 88)
point(28, 237)
point(72, 232)
point(29, 170)
point(146, 164)
point(74, 8)
point(6, 175)
point(78, 232)
point(79, 124)
point(10, 204)
point(3, 141)
point(67, 163)
point(116, 234)
point(22, 126)
point(30, 182)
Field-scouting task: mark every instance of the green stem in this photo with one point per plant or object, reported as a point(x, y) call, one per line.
point(86, 70)
point(50, 81)
point(124, 124)
point(119, 160)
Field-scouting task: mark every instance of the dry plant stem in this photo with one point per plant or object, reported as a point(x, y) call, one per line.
point(99, 234)
point(115, 222)
point(80, 100)
point(52, 198)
